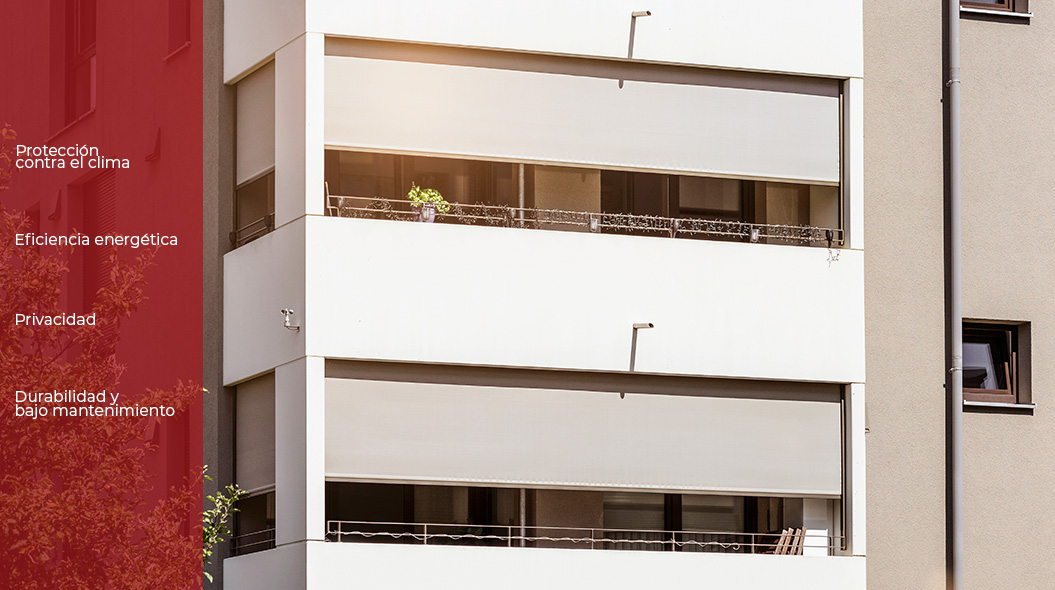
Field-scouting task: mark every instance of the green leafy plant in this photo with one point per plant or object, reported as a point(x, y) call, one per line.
point(421, 195)
point(214, 520)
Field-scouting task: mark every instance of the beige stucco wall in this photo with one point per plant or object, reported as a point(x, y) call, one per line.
point(903, 295)
point(1009, 208)
point(1008, 89)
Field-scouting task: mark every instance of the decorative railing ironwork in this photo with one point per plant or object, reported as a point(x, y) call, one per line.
point(788, 542)
point(618, 223)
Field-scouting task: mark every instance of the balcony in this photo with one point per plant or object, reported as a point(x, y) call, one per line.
point(321, 565)
point(581, 221)
point(600, 200)
point(790, 541)
point(253, 542)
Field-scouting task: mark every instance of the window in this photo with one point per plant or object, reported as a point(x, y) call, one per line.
point(254, 210)
point(80, 58)
point(179, 24)
point(995, 368)
point(254, 524)
point(1007, 5)
point(99, 215)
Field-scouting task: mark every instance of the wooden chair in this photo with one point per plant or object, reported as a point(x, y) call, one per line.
point(782, 544)
point(791, 542)
point(798, 542)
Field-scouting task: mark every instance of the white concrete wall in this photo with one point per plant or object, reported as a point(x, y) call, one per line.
point(255, 29)
point(853, 162)
point(300, 441)
point(812, 36)
point(854, 448)
point(282, 568)
point(299, 165)
point(528, 298)
point(324, 566)
point(260, 279)
point(819, 37)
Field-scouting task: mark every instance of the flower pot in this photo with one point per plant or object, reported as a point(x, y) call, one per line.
point(427, 212)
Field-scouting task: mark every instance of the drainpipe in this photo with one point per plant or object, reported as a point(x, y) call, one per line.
point(953, 302)
point(523, 517)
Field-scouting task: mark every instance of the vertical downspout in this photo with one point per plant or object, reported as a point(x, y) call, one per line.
point(523, 517)
point(953, 303)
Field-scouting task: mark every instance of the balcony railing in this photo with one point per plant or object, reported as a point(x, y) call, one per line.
point(252, 230)
point(253, 542)
point(787, 542)
point(616, 223)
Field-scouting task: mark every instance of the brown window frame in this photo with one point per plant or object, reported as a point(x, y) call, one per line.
point(1016, 368)
point(1002, 5)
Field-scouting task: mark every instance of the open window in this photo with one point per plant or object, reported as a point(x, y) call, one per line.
point(1019, 6)
point(995, 363)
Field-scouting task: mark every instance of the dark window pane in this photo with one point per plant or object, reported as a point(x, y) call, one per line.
point(613, 191)
point(986, 358)
point(179, 23)
point(254, 207)
point(366, 502)
point(710, 198)
point(712, 513)
point(634, 511)
point(450, 177)
point(649, 193)
point(255, 201)
point(254, 524)
point(366, 175)
point(86, 25)
point(79, 91)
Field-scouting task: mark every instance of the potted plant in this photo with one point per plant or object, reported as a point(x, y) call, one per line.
point(427, 202)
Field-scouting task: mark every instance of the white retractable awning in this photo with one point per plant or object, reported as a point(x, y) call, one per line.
point(429, 432)
point(765, 131)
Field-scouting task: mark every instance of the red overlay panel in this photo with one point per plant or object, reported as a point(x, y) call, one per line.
point(100, 294)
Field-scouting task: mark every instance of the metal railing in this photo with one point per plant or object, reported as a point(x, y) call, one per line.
point(252, 230)
point(253, 542)
point(577, 538)
point(523, 217)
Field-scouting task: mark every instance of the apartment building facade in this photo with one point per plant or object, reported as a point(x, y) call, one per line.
point(1007, 90)
point(626, 349)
